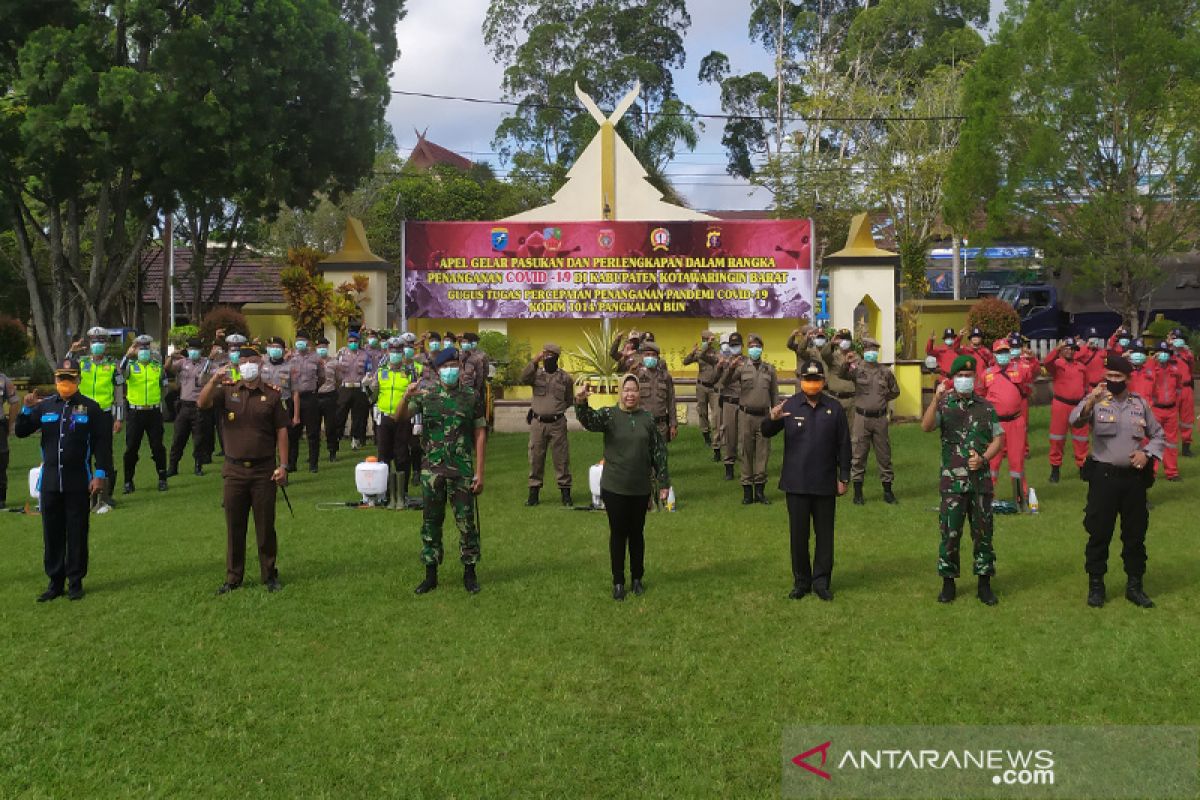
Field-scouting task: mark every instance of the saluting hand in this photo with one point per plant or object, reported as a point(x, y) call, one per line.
point(941, 390)
point(31, 400)
point(582, 397)
point(777, 412)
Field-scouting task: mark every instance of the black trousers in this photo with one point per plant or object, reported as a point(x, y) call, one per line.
point(310, 425)
point(65, 536)
point(4, 466)
point(626, 526)
point(352, 402)
point(196, 424)
point(150, 423)
point(815, 511)
point(327, 406)
point(1113, 492)
point(397, 444)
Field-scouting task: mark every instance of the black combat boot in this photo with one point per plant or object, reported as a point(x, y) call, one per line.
point(199, 470)
point(1095, 597)
point(985, 593)
point(533, 496)
point(1135, 595)
point(128, 488)
point(707, 438)
point(638, 588)
point(858, 495)
point(162, 481)
point(888, 497)
point(402, 496)
point(618, 591)
point(470, 582)
point(949, 591)
point(566, 496)
point(430, 582)
point(729, 472)
point(1187, 449)
point(716, 454)
point(1018, 494)
point(747, 494)
point(1054, 474)
point(760, 495)
point(173, 470)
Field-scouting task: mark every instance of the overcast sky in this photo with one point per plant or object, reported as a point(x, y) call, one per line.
point(443, 53)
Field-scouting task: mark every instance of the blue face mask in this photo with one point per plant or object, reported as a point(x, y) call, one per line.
point(353, 346)
point(755, 353)
point(323, 352)
point(650, 362)
point(435, 345)
point(1123, 342)
point(447, 343)
point(735, 349)
point(1179, 343)
point(395, 358)
point(275, 353)
point(409, 352)
point(467, 346)
point(97, 348)
point(1163, 357)
point(194, 355)
point(372, 342)
point(301, 345)
point(1137, 359)
point(143, 356)
point(449, 375)
point(947, 342)
point(964, 384)
point(235, 357)
point(1003, 358)
point(871, 356)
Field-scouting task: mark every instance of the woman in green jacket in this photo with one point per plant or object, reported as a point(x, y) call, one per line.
point(634, 453)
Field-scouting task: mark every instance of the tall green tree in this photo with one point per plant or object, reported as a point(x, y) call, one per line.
point(112, 112)
point(1082, 123)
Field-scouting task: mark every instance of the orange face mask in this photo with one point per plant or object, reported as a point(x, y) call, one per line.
point(812, 388)
point(66, 388)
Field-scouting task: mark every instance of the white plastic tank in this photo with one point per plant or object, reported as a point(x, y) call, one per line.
point(594, 475)
point(371, 478)
point(35, 478)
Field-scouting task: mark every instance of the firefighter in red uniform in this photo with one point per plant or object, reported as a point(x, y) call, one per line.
point(1093, 355)
point(982, 355)
point(1186, 361)
point(1141, 380)
point(946, 352)
point(1164, 399)
point(1005, 387)
point(1120, 341)
point(1070, 385)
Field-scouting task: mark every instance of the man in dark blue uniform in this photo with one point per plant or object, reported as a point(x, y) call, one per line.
point(71, 440)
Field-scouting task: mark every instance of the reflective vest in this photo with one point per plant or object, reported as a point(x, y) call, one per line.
point(98, 381)
point(143, 387)
point(392, 386)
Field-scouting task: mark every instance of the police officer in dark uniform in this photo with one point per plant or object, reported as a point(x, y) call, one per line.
point(816, 471)
point(256, 451)
point(1126, 438)
point(75, 434)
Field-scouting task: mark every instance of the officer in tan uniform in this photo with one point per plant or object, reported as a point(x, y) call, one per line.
point(327, 396)
point(758, 391)
point(728, 390)
point(708, 407)
point(658, 389)
point(874, 387)
point(553, 394)
point(806, 342)
point(833, 355)
point(306, 377)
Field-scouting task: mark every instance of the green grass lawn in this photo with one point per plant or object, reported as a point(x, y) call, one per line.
point(347, 685)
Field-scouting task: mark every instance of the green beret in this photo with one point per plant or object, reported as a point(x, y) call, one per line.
point(962, 363)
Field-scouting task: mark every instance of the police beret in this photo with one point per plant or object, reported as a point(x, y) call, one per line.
point(550, 347)
point(194, 342)
point(961, 364)
point(1001, 344)
point(650, 346)
point(1119, 364)
point(98, 332)
point(276, 340)
point(754, 337)
point(812, 368)
point(143, 341)
point(249, 352)
point(449, 354)
point(352, 335)
point(735, 338)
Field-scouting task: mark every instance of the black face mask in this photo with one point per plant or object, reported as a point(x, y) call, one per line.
point(550, 363)
point(1116, 387)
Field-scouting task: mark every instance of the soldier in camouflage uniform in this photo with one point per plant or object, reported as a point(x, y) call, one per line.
point(450, 422)
point(971, 436)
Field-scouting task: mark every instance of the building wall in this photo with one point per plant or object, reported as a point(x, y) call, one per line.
point(269, 319)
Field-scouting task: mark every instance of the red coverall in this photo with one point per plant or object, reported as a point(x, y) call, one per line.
point(1187, 397)
point(945, 354)
point(1141, 381)
point(983, 359)
point(1093, 362)
point(1164, 399)
point(1070, 385)
point(1008, 396)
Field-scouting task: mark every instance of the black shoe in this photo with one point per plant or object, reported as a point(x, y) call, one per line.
point(1187, 450)
point(332, 457)
point(162, 484)
point(51, 593)
point(226, 588)
point(75, 592)
point(618, 591)
point(888, 497)
point(1175, 478)
point(858, 495)
point(430, 582)
point(532, 500)
point(1095, 597)
point(797, 592)
point(729, 472)
point(823, 593)
point(128, 488)
point(638, 588)
point(199, 471)
point(470, 582)
point(707, 438)
point(274, 585)
point(1054, 474)
point(747, 494)
point(716, 454)
point(949, 591)
point(173, 471)
point(984, 591)
point(1135, 595)
point(566, 497)
point(760, 495)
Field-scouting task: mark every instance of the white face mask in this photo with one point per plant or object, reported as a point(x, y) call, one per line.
point(844, 344)
point(249, 371)
point(964, 384)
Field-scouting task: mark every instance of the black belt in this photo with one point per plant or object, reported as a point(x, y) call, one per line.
point(1010, 417)
point(840, 395)
point(754, 412)
point(1068, 402)
point(728, 399)
point(250, 463)
point(143, 408)
point(549, 418)
point(187, 402)
point(871, 414)
point(307, 394)
point(712, 385)
point(1166, 405)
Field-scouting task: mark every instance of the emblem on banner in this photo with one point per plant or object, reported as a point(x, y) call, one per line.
point(606, 238)
point(713, 238)
point(660, 239)
point(499, 238)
